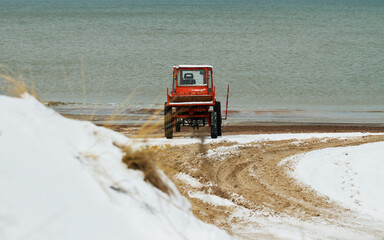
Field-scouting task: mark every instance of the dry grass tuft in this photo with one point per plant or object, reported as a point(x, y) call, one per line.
point(143, 160)
point(150, 126)
point(16, 87)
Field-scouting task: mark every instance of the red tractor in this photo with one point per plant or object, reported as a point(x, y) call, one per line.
point(193, 101)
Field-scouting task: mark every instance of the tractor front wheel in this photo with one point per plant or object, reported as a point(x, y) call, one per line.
point(168, 122)
point(213, 124)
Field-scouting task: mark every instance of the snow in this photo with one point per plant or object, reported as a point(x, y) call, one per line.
point(193, 182)
point(262, 223)
point(245, 139)
point(221, 153)
point(56, 180)
point(352, 176)
point(257, 223)
point(212, 199)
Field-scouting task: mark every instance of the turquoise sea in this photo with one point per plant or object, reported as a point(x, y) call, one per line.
point(285, 60)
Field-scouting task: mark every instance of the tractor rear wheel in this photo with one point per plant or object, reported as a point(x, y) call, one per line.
point(217, 109)
point(213, 124)
point(168, 122)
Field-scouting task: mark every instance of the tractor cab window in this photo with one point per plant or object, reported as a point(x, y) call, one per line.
point(192, 77)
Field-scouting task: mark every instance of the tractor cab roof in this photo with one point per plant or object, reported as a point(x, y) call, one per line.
point(192, 66)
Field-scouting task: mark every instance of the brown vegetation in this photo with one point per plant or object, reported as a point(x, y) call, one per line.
point(17, 87)
point(143, 160)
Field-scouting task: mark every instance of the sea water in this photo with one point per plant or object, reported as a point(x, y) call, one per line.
point(285, 60)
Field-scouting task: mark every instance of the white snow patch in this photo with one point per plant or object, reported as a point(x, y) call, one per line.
point(221, 153)
point(299, 143)
point(189, 180)
point(352, 176)
point(211, 199)
point(244, 139)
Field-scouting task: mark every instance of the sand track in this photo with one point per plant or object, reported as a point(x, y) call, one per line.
point(254, 177)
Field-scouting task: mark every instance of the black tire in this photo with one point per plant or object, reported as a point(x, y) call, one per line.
point(217, 109)
point(168, 122)
point(178, 125)
point(213, 124)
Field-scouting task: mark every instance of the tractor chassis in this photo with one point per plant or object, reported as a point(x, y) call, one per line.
point(194, 116)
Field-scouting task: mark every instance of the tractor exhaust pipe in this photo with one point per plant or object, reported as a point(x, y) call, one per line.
point(226, 107)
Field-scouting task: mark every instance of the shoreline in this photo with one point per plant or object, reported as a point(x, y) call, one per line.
point(129, 124)
point(262, 128)
point(139, 115)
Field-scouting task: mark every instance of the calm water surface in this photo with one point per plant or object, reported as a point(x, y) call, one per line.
point(297, 60)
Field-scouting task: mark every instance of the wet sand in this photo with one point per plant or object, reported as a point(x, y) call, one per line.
point(260, 128)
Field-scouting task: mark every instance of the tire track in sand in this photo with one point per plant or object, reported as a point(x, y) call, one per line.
point(254, 177)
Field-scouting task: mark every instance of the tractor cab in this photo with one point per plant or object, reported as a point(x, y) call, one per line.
point(192, 82)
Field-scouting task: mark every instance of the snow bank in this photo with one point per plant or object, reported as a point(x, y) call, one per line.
point(353, 176)
point(64, 179)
